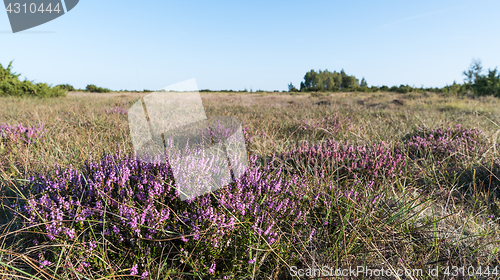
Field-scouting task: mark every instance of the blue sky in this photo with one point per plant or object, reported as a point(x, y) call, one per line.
point(255, 44)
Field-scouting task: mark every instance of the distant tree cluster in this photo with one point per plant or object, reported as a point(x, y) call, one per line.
point(475, 82)
point(482, 84)
point(329, 81)
point(94, 88)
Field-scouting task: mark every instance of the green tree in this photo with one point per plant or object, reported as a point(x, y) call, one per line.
point(94, 88)
point(337, 77)
point(327, 81)
point(309, 79)
point(330, 84)
point(303, 86)
point(349, 82)
point(473, 72)
point(488, 84)
point(482, 84)
point(363, 83)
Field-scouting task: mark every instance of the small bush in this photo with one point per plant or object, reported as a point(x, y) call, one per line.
point(11, 85)
point(482, 84)
point(94, 88)
point(318, 94)
point(66, 87)
point(488, 84)
point(404, 89)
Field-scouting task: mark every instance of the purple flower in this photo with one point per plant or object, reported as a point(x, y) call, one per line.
point(70, 233)
point(116, 110)
point(133, 270)
point(137, 200)
point(19, 133)
point(211, 270)
point(44, 263)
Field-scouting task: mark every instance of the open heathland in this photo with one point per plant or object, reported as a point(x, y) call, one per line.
point(381, 180)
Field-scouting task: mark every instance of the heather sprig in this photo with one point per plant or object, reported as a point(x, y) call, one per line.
point(116, 110)
point(457, 142)
point(20, 134)
point(376, 160)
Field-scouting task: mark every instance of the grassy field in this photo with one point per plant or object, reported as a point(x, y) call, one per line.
point(379, 180)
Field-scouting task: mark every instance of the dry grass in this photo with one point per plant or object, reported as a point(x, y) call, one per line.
point(427, 221)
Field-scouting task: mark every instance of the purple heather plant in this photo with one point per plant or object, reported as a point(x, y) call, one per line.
point(134, 203)
point(117, 110)
point(20, 134)
point(378, 160)
point(133, 270)
point(456, 142)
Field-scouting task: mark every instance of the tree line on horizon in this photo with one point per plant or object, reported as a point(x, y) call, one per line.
point(475, 81)
point(328, 81)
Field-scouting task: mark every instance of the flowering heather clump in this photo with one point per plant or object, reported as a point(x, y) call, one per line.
point(134, 203)
point(20, 134)
point(220, 129)
point(116, 110)
point(376, 161)
point(456, 142)
point(330, 124)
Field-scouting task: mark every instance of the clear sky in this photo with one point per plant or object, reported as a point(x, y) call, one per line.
point(255, 44)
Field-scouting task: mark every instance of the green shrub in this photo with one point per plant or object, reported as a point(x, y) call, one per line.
point(11, 85)
point(318, 94)
point(488, 84)
point(404, 89)
point(479, 83)
point(455, 89)
point(94, 88)
point(292, 88)
point(66, 87)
